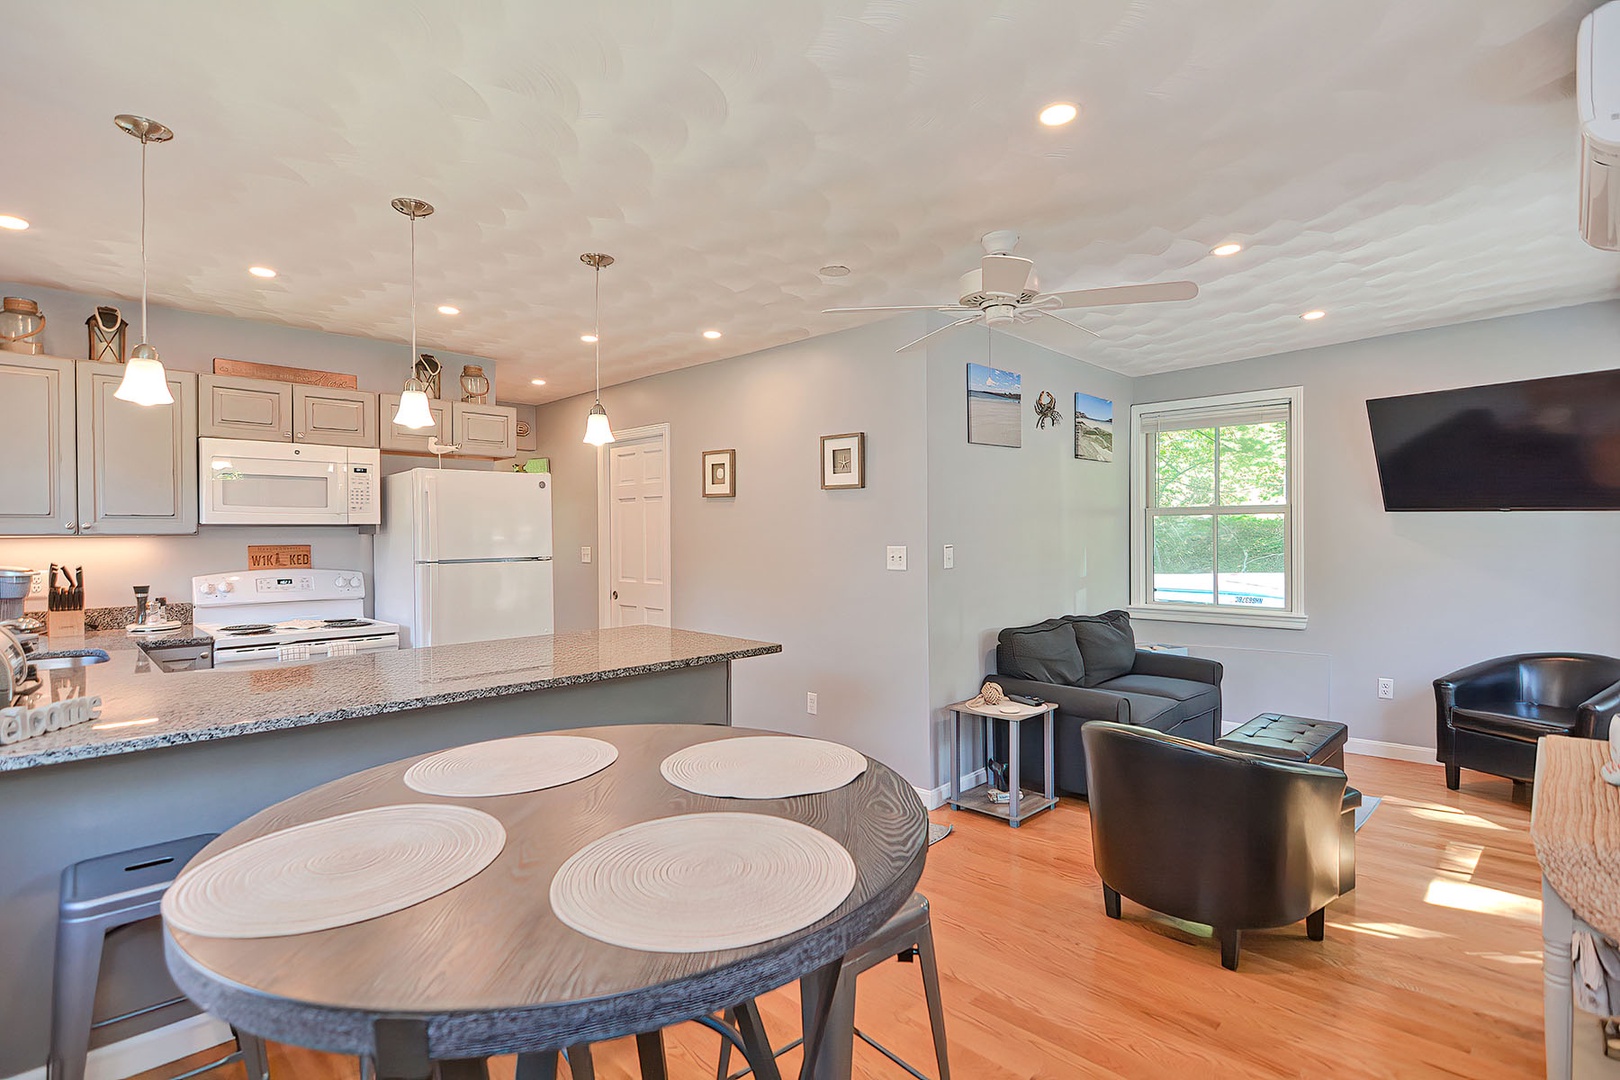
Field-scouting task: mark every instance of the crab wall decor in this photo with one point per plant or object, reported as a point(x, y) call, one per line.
point(1046, 410)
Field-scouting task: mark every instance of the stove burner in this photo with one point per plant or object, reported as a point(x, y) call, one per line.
point(246, 628)
point(346, 622)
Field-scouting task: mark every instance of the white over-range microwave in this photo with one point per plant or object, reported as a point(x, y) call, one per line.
point(242, 482)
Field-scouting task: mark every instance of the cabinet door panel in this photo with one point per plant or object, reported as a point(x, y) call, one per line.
point(485, 430)
point(329, 417)
point(409, 440)
point(137, 463)
point(235, 408)
point(36, 413)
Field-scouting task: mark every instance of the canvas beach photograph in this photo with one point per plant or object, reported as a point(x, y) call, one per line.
point(994, 397)
point(1093, 428)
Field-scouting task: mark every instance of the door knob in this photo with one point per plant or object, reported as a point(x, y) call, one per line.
point(615, 594)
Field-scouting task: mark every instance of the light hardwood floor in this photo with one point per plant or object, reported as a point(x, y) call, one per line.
point(1431, 968)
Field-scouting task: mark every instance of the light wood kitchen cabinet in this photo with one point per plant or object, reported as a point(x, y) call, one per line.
point(36, 414)
point(406, 440)
point(484, 430)
point(330, 417)
point(237, 408)
point(137, 464)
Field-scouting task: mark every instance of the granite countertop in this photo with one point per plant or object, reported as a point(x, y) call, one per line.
point(144, 708)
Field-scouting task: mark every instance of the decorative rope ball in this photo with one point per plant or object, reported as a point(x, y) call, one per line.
point(989, 694)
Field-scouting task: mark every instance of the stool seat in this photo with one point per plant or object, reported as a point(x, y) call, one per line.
point(98, 896)
point(1290, 738)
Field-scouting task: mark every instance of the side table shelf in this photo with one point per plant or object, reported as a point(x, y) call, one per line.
point(1021, 805)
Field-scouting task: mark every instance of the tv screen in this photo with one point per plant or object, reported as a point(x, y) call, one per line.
point(1542, 444)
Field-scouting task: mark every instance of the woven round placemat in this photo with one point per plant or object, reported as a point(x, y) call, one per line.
point(702, 882)
point(333, 872)
point(510, 766)
point(763, 767)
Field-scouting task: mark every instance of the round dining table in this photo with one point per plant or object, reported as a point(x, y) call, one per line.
point(487, 968)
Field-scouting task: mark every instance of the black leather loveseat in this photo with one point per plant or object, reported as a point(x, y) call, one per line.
point(1090, 666)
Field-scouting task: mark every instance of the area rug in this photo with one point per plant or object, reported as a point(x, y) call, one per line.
point(938, 832)
point(1369, 803)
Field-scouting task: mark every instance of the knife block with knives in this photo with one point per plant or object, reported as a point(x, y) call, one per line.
point(64, 613)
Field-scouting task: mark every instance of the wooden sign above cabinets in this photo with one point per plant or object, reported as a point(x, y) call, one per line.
point(278, 556)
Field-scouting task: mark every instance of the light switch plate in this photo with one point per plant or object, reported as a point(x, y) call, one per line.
point(810, 703)
point(897, 557)
point(950, 556)
point(584, 554)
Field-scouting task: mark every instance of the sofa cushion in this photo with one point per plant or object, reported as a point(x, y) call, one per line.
point(1107, 645)
point(1199, 697)
point(1522, 720)
point(1045, 652)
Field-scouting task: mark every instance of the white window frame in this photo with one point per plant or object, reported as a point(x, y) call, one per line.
point(1142, 605)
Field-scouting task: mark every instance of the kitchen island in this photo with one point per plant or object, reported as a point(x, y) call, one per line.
point(178, 753)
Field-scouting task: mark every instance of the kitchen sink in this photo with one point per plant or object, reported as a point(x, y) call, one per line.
point(57, 661)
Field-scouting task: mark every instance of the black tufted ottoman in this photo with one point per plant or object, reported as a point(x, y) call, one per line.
point(1290, 738)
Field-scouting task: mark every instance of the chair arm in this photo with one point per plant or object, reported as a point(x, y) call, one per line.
point(1594, 715)
point(1076, 701)
point(1172, 666)
point(1482, 683)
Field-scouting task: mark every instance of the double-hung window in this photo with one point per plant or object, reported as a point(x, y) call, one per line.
point(1216, 515)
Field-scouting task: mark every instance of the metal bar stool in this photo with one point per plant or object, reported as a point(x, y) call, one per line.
point(100, 895)
point(909, 933)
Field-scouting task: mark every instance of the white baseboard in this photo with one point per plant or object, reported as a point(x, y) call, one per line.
point(148, 1050)
point(936, 798)
point(1394, 750)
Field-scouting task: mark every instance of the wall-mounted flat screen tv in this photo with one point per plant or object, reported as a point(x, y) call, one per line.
point(1542, 444)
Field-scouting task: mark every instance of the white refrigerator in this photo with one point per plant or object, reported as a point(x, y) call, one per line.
point(464, 556)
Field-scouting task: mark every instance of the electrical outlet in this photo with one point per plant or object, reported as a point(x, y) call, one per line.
point(584, 554)
point(950, 556)
point(36, 586)
point(810, 703)
point(1386, 689)
point(897, 556)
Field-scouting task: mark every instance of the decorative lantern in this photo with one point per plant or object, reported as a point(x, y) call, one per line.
point(106, 328)
point(21, 324)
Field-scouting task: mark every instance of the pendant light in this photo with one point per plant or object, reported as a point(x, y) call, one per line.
point(144, 382)
point(413, 411)
point(597, 431)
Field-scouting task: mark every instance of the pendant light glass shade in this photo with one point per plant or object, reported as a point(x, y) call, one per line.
point(597, 430)
point(144, 382)
point(413, 411)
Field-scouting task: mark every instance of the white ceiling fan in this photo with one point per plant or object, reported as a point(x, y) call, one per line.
point(1004, 291)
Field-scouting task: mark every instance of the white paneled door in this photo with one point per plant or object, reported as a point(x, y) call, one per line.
point(638, 531)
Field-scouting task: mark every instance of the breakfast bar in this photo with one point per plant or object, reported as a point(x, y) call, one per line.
point(174, 754)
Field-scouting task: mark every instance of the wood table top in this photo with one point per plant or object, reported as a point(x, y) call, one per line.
point(1575, 824)
point(488, 968)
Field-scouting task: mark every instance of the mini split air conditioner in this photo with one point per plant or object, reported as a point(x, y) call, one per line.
point(1597, 95)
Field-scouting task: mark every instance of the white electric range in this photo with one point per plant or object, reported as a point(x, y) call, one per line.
point(259, 618)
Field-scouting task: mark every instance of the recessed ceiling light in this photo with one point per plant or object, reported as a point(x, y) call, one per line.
point(1226, 249)
point(1312, 316)
point(537, 382)
point(711, 334)
point(261, 271)
point(449, 309)
point(589, 339)
point(1059, 113)
point(834, 270)
point(9, 221)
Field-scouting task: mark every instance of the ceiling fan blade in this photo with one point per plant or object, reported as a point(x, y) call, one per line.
point(1004, 274)
point(1066, 322)
point(941, 330)
point(1129, 294)
point(913, 307)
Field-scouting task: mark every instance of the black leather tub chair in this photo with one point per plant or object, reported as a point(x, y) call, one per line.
point(1214, 836)
point(1489, 716)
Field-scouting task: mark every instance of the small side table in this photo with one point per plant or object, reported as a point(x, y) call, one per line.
point(1018, 806)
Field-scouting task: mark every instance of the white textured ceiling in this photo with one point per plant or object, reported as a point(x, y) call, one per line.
point(1398, 163)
